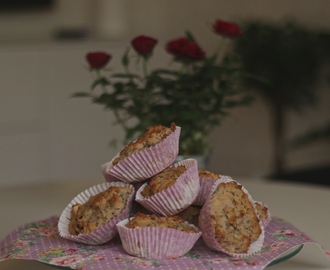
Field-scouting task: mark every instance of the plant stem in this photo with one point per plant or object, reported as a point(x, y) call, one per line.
point(126, 69)
point(120, 121)
point(104, 89)
point(220, 48)
point(99, 77)
point(144, 67)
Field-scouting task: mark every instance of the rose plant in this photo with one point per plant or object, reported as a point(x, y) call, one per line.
point(196, 91)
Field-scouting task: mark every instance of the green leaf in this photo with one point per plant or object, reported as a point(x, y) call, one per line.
point(190, 36)
point(125, 76)
point(100, 82)
point(81, 94)
point(125, 58)
point(315, 134)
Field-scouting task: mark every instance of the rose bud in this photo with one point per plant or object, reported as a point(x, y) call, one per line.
point(184, 48)
point(228, 29)
point(194, 51)
point(98, 60)
point(144, 45)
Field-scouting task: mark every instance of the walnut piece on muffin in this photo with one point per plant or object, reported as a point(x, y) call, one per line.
point(203, 173)
point(264, 213)
point(162, 180)
point(152, 136)
point(234, 218)
point(98, 210)
point(262, 210)
point(174, 222)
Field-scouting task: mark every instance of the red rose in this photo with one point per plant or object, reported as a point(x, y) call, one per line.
point(98, 60)
point(184, 48)
point(228, 29)
point(144, 45)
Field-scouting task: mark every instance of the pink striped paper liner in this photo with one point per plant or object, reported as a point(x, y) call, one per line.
point(156, 242)
point(145, 163)
point(103, 233)
point(205, 188)
point(205, 225)
point(176, 198)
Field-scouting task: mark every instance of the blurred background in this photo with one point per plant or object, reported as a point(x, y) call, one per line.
point(47, 136)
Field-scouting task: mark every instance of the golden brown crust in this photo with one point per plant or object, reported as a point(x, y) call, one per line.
point(162, 180)
point(174, 222)
point(234, 220)
point(202, 173)
point(98, 210)
point(153, 135)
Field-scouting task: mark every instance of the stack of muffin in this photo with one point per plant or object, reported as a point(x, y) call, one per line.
point(160, 208)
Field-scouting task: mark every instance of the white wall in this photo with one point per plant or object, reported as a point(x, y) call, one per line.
point(46, 136)
point(165, 19)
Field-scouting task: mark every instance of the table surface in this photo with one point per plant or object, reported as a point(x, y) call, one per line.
point(305, 206)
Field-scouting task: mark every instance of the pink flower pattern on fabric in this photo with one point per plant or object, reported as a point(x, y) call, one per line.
point(66, 260)
point(40, 241)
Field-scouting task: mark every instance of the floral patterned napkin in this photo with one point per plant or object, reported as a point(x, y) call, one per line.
point(40, 241)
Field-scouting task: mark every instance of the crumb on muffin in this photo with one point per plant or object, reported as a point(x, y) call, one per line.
point(202, 173)
point(173, 222)
point(262, 210)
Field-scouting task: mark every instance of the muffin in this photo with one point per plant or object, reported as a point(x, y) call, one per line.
point(206, 181)
point(154, 237)
point(162, 180)
point(91, 216)
point(172, 190)
point(190, 214)
point(229, 220)
point(264, 213)
point(98, 210)
point(151, 153)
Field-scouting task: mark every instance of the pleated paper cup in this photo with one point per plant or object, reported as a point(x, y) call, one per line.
point(208, 231)
point(206, 184)
point(103, 233)
point(156, 242)
point(144, 163)
point(177, 197)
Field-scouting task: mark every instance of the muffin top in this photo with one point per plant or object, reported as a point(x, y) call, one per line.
point(234, 219)
point(162, 180)
point(152, 136)
point(202, 173)
point(173, 222)
point(98, 210)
